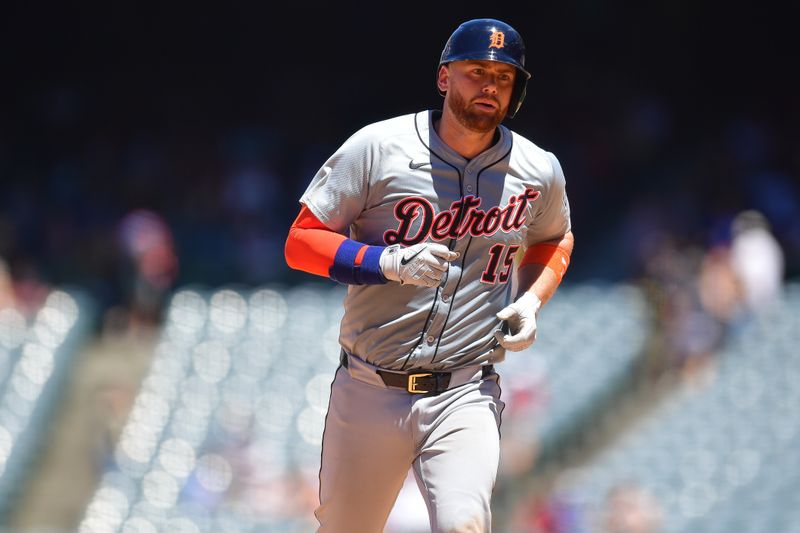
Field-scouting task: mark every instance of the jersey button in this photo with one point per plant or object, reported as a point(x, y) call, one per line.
point(445, 297)
point(430, 339)
point(469, 188)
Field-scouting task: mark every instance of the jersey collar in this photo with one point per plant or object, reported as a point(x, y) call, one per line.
point(431, 139)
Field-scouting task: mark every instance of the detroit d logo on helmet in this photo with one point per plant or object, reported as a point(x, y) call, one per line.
point(497, 39)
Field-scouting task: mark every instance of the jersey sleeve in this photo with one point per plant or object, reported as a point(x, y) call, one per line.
point(552, 219)
point(338, 192)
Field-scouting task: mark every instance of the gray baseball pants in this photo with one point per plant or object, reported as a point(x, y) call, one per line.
point(374, 434)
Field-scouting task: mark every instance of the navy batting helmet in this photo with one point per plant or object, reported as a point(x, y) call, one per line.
point(490, 40)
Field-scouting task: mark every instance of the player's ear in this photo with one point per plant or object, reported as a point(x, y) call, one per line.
point(443, 78)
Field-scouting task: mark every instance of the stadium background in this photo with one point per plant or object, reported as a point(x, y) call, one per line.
point(151, 158)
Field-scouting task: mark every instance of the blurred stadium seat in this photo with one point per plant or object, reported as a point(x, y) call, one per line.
point(226, 430)
point(720, 455)
point(590, 337)
point(219, 438)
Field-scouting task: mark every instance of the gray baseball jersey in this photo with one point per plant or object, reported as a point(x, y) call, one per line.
point(396, 182)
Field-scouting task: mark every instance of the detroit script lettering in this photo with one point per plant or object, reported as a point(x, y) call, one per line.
point(464, 217)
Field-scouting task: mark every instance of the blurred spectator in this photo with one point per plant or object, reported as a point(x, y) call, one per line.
point(28, 289)
point(554, 511)
point(757, 260)
point(629, 508)
point(719, 289)
point(535, 515)
point(685, 334)
point(151, 265)
point(698, 297)
point(543, 515)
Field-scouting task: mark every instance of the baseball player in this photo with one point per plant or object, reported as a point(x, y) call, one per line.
point(451, 231)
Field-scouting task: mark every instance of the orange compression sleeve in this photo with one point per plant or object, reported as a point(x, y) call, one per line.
point(549, 255)
point(313, 247)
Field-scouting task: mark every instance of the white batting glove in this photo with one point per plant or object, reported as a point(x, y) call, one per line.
point(422, 264)
point(521, 319)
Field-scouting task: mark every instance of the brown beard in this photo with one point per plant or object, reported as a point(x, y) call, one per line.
point(481, 123)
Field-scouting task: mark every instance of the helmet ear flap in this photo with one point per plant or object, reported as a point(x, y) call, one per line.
point(518, 96)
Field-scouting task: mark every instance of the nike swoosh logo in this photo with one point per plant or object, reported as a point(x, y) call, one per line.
point(405, 260)
point(415, 166)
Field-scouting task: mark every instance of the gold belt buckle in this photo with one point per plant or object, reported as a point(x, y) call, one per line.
point(412, 383)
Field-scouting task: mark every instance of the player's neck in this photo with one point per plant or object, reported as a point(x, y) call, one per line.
point(465, 142)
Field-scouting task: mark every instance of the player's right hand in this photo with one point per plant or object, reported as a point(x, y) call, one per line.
point(422, 264)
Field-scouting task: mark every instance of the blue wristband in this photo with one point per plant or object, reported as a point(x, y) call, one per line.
point(345, 271)
point(369, 271)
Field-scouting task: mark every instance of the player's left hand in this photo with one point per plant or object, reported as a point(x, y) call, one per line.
point(521, 319)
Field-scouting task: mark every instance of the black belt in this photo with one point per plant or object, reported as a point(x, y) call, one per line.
point(419, 381)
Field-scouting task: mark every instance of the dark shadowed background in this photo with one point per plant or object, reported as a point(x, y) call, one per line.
point(668, 117)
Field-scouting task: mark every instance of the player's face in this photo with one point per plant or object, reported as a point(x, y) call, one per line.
point(478, 92)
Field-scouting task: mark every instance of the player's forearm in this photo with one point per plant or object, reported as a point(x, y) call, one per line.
point(539, 279)
point(329, 254)
point(314, 248)
point(543, 273)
